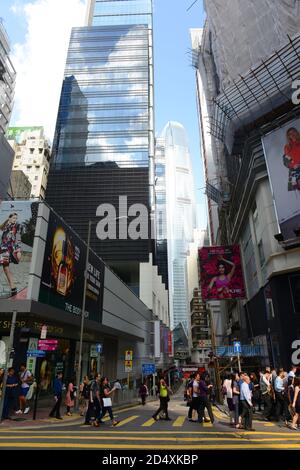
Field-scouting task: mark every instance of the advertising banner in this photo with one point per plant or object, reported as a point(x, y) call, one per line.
point(62, 280)
point(282, 153)
point(17, 229)
point(221, 275)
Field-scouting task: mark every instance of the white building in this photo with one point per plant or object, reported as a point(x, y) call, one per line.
point(176, 214)
point(32, 155)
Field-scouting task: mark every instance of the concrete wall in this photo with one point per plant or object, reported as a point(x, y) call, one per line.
point(6, 161)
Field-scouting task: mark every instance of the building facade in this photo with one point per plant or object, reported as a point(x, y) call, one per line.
point(102, 158)
point(32, 157)
point(7, 86)
point(246, 120)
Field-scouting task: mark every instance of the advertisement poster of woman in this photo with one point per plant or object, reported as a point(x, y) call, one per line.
point(17, 227)
point(282, 153)
point(221, 275)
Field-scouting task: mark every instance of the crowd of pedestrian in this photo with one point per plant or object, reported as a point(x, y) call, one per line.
point(274, 392)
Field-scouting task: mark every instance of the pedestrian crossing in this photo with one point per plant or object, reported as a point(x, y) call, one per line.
point(178, 422)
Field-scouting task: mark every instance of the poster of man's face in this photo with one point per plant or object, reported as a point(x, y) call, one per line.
point(282, 153)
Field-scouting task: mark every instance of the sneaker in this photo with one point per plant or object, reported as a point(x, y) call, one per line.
point(168, 419)
point(19, 412)
point(58, 417)
point(155, 418)
point(26, 410)
point(115, 423)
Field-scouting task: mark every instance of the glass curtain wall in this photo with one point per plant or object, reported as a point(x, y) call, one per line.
point(105, 111)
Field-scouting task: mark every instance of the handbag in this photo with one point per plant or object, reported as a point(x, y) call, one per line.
point(107, 402)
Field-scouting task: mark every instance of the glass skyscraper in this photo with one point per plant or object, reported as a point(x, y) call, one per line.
point(104, 142)
point(106, 109)
point(175, 214)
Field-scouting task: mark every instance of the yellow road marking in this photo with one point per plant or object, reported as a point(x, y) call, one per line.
point(179, 421)
point(269, 425)
point(129, 438)
point(199, 433)
point(126, 420)
point(79, 445)
point(149, 423)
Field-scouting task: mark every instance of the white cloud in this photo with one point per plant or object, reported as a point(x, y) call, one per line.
point(40, 60)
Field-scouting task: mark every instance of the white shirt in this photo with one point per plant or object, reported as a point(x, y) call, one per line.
point(246, 393)
point(227, 385)
point(24, 376)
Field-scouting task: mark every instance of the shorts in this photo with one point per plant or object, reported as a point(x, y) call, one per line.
point(24, 391)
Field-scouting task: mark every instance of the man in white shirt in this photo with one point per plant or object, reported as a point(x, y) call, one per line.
point(279, 394)
point(26, 380)
point(246, 401)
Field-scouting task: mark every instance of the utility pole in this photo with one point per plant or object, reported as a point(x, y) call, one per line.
point(216, 361)
point(9, 351)
point(83, 314)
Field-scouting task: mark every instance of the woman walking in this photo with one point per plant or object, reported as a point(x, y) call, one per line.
point(70, 396)
point(105, 395)
point(143, 392)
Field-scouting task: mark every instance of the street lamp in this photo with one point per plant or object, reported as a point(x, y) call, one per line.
point(83, 306)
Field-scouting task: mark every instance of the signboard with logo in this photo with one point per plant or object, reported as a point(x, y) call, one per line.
point(128, 365)
point(148, 369)
point(47, 344)
point(237, 347)
point(35, 353)
point(62, 281)
point(128, 355)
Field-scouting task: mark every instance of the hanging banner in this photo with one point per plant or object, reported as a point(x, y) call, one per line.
point(282, 153)
point(221, 275)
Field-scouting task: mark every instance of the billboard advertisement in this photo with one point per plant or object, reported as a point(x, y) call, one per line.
point(62, 280)
point(221, 275)
point(282, 153)
point(17, 229)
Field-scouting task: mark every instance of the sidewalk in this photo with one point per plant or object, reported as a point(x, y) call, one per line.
point(44, 421)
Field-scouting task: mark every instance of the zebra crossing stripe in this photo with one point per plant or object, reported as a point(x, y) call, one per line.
point(179, 421)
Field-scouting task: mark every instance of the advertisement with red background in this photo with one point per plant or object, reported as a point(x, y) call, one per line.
point(221, 275)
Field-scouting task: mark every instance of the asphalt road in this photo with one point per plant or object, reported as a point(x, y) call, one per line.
point(137, 430)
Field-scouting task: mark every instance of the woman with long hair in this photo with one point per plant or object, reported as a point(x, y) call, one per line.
point(10, 249)
point(105, 395)
point(223, 279)
point(70, 396)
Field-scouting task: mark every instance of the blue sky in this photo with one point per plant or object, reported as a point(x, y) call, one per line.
point(39, 57)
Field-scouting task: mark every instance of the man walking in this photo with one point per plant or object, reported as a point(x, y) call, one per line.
point(164, 398)
point(247, 405)
point(55, 412)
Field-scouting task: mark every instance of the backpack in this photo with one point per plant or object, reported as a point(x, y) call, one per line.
point(86, 391)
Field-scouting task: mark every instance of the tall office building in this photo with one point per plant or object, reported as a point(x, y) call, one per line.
point(176, 215)
point(7, 86)
point(104, 142)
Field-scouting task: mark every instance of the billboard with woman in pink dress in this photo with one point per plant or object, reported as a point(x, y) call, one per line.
point(221, 275)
